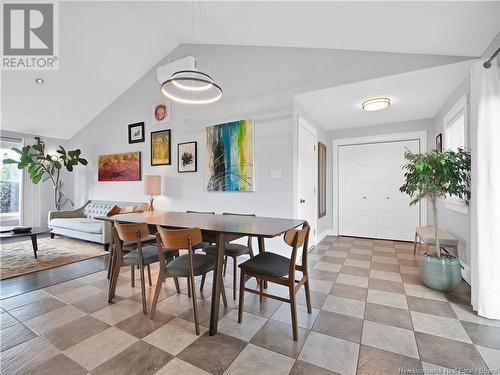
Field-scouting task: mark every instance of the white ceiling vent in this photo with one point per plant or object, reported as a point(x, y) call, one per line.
point(164, 72)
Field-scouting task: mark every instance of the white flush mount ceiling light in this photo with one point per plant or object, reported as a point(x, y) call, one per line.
point(39, 81)
point(375, 104)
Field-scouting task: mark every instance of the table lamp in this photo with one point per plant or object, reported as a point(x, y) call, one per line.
point(152, 187)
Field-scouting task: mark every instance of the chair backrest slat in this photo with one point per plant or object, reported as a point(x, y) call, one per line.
point(130, 232)
point(179, 238)
point(301, 236)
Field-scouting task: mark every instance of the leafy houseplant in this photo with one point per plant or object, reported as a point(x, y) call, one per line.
point(435, 175)
point(43, 167)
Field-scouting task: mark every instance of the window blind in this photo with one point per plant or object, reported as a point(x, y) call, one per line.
point(455, 132)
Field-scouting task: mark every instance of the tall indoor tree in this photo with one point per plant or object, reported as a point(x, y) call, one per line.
point(435, 175)
point(43, 167)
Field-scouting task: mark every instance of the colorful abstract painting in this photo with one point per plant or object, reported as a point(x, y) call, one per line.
point(230, 156)
point(119, 167)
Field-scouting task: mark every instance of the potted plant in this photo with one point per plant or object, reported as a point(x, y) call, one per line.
point(43, 167)
point(432, 176)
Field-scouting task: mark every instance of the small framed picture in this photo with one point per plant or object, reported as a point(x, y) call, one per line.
point(161, 112)
point(439, 142)
point(187, 157)
point(136, 132)
point(160, 148)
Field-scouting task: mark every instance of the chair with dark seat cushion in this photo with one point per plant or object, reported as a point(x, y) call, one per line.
point(232, 250)
point(188, 266)
point(140, 257)
point(280, 270)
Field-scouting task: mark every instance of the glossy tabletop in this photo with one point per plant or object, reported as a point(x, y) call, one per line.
point(266, 227)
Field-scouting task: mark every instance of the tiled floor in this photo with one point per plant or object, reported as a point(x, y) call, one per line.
point(371, 315)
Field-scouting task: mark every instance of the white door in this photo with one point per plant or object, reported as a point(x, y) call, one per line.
point(307, 174)
point(370, 203)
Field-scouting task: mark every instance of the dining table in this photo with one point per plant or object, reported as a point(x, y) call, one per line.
point(218, 229)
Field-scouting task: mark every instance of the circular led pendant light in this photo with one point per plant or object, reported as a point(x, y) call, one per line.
point(191, 87)
point(376, 104)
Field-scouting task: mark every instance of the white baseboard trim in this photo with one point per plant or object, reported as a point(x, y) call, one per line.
point(322, 236)
point(465, 271)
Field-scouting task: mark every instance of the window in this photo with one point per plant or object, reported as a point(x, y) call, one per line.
point(455, 137)
point(10, 181)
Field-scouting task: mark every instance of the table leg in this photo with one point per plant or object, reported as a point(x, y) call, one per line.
point(217, 284)
point(35, 244)
point(262, 249)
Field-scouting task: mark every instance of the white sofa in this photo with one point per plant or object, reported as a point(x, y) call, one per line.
point(81, 223)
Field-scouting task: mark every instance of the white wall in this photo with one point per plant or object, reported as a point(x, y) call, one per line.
point(457, 223)
point(46, 190)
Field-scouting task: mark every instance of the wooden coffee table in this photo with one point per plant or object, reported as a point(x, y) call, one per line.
point(35, 231)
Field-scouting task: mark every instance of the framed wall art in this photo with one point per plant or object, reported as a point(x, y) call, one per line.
point(161, 112)
point(160, 148)
point(230, 159)
point(187, 157)
point(119, 167)
point(136, 133)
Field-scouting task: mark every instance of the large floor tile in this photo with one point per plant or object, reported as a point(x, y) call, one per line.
point(277, 336)
point(448, 353)
point(95, 302)
point(349, 291)
point(386, 286)
point(26, 355)
point(384, 259)
point(424, 292)
point(37, 308)
point(175, 305)
point(385, 275)
point(380, 362)
point(51, 320)
point(357, 263)
point(359, 281)
point(75, 295)
point(304, 368)
point(174, 336)
point(140, 325)
point(266, 308)
point(304, 319)
point(99, 348)
point(387, 298)
point(317, 299)
point(320, 286)
point(115, 313)
point(355, 271)
point(7, 320)
point(331, 353)
point(388, 315)
point(439, 326)
point(345, 306)
point(179, 367)
point(213, 353)
point(483, 335)
point(76, 331)
point(60, 364)
point(338, 325)
point(23, 299)
point(430, 306)
point(465, 313)
point(256, 360)
point(388, 267)
point(393, 339)
point(490, 356)
point(138, 359)
point(245, 330)
point(325, 266)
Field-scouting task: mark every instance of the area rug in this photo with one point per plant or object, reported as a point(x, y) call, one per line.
point(16, 258)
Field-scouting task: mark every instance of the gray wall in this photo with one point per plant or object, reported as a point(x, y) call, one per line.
point(46, 190)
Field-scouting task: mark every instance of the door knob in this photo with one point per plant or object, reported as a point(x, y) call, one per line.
point(364, 197)
point(387, 198)
point(302, 200)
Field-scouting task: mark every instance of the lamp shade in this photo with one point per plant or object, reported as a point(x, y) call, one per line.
point(152, 185)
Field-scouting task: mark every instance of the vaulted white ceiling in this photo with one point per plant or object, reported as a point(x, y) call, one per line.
point(107, 46)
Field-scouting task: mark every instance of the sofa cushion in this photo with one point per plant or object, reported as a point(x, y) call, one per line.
point(94, 209)
point(79, 224)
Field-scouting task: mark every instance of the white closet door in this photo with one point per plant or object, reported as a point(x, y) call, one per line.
point(358, 204)
point(370, 203)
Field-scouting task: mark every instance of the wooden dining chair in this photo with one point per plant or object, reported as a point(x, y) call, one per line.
point(232, 250)
point(189, 265)
point(141, 257)
point(278, 269)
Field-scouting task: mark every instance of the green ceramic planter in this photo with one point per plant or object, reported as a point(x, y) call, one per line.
point(443, 274)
